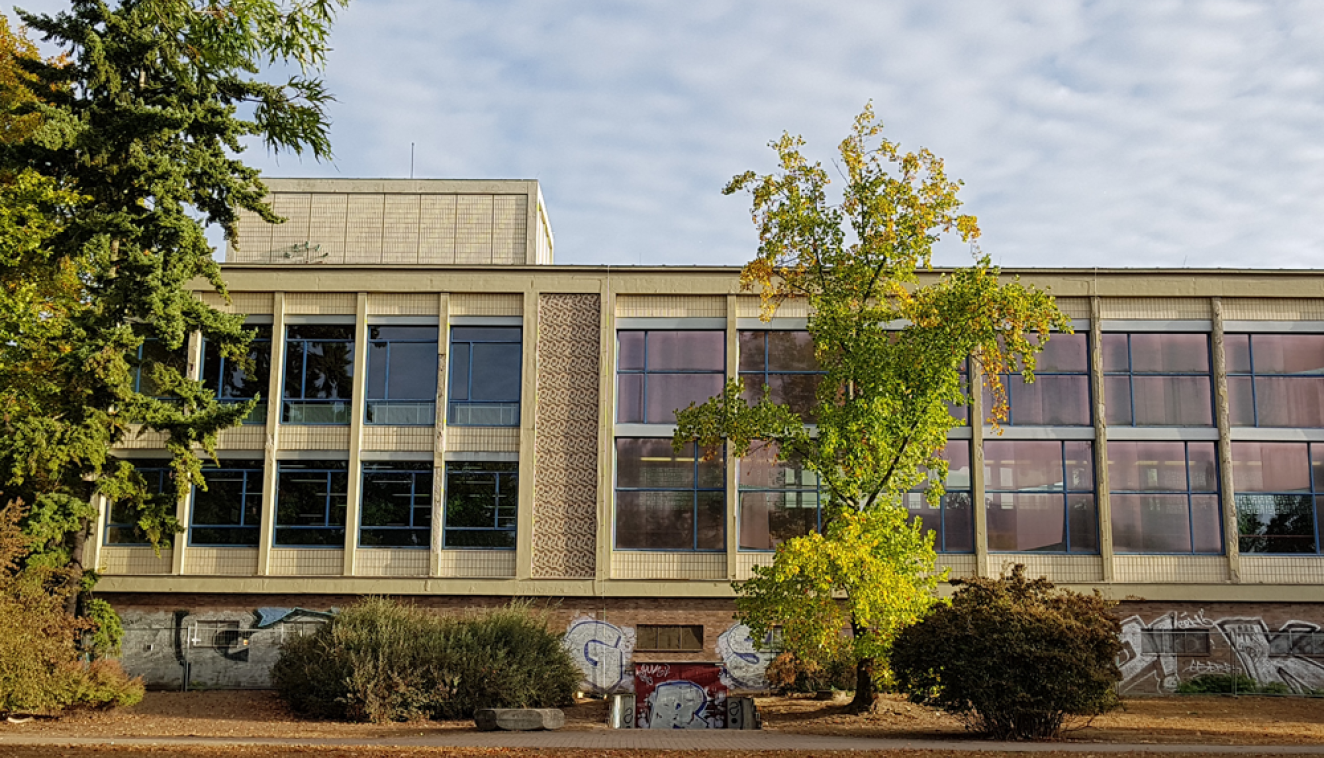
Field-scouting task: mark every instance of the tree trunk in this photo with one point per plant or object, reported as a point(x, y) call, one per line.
point(77, 547)
point(865, 694)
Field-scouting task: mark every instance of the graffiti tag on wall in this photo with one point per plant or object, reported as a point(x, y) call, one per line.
point(602, 651)
point(679, 696)
point(744, 666)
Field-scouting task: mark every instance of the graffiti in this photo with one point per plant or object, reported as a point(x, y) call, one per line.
point(1197, 668)
point(745, 667)
point(679, 696)
point(1269, 657)
point(269, 616)
point(602, 651)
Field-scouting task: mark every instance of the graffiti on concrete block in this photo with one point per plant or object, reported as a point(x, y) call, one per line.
point(745, 666)
point(602, 651)
point(679, 696)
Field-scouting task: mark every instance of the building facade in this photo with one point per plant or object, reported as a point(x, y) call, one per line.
point(449, 417)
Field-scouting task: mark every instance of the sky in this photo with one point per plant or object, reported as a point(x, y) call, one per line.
point(1156, 133)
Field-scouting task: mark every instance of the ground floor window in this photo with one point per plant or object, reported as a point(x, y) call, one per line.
point(1040, 496)
point(1164, 497)
point(1280, 489)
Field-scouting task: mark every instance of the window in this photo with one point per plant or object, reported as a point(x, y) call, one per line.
point(1164, 497)
point(1060, 393)
point(1174, 642)
point(122, 519)
point(152, 352)
point(1279, 486)
point(1275, 379)
point(485, 376)
point(779, 500)
point(1297, 643)
point(667, 500)
point(319, 374)
point(661, 372)
point(1041, 496)
point(402, 375)
point(666, 638)
point(784, 363)
point(397, 505)
point(1157, 379)
point(310, 503)
point(482, 504)
point(229, 511)
point(953, 520)
point(227, 378)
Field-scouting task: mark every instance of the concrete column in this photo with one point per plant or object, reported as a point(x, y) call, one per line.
point(1227, 493)
point(732, 481)
point(528, 405)
point(274, 399)
point(439, 440)
point(183, 508)
point(1101, 499)
point(356, 413)
point(606, 437)
point(978, 501)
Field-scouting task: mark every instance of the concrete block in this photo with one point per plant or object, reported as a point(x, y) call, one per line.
point(518, 719)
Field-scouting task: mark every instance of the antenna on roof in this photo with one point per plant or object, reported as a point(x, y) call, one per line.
point(411, 160)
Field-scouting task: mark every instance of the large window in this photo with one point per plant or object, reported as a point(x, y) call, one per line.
point(1280, 489)
point(784, 364)
point(1164, 497)
point(402, 375)
point(319, 374)
point(667, 500)
point(952, 521)
point(397, 504)
point(122, 518)
point(779, 500)
point(1060, 393)
point(1275, 379)
point(661, 372)
point(310, 503)
point(482, 504)
point(228, 512)
point(485, 376)
point(1157, 379)
point(231, 383)
point(1040, 496)
point(151, 353)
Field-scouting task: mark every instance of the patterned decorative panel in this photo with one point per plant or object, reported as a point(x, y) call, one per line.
point(247, 437)
point(220, 561)
point(240, 302)
point(1272, 309)
point(1067, 569)
point(395, 304)
point(566, 445)
point(959, 565)
point(416, 438)
point(670, 306)
point(136, 438)
point(436, 230)
point(1162, 569)
point(1074, 307)
point(386, 562)
point(320, 303)
point(363, 228)
point(464, 564)
point(469, 304)
point(134, 560)
point(1257, 569)
point(482, 439)
point(1155, 308)
point(510, 229)
point(307, 562)
point(745, 563)
point(473, 229)
point(641, 565)
point(314, 438)
point(748, 307)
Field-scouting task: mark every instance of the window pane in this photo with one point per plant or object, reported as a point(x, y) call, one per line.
point(769, 518)
point(958, 523)
point(1288, 353)
point(686, 351)
point(459, 379)
point(1064, 352)
point(1276, 523)
point(1289, 400)
point(791, 351)
point(1117, 400)
point(377, 353)
point(710, 529)
point(929, 516)
point(329, 371)
point(630, 351)
point(1150, 523)
point(1115, 356)
point(294, 370)
point(416, 333)
point(1050, 401)
point(1083, 522)
point(650, 463)
point(752, 351)
point(1270, 467)
point(1207, 524)
point(655, 520)
point(480, 538)
point(1023, 466)
point(414, 371)
point(1203, 466)
point(1026, 522)
point(1080, 466)
point(796, 391)
point(1147, 466)
point(1172, 401)
point(630, 398)
point(1169, 353)
point(486, 334)
point(1236, 349)
point(321, 331)
point(668, 393)
point(496, 372)
point(471, 500)
point(387, 498)
point(760, 469)
point(1241, 401)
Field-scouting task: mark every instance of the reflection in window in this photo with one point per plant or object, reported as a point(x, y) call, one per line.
point(779, 500)
point(952, 521)
point(661, 372)
point(482, 504)
point(1276, 484)
point(1157, 379)
point(1275, 379)
point(310, 503)
point(667, 500)
point(1060, 393)
point(1040, 496)
point(227, 378)
point(319, 374)
point(228, 513)
point(784, 364)
point(397, 504)
point(122, 518)
point(485, 376)
point(402, 375)
point(1164, 497)
point(152, 352)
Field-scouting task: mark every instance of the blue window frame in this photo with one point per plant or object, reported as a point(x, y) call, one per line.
point(402, 375)
point(228, 512)
point(319, 374)
point(1153, 379)
point(659, 372)
point(779, 500)
point(310, 503)
point(1279, 496)
point(1275, 380)
point(783, 362)
point(122, 517)
point(1040, 496)
point(482, 505)
point(397, 504)
point(667, 500)
point(486, 364)
point(232, 384)
point(952, 520)
point(1164, 497)
point(1060, 392)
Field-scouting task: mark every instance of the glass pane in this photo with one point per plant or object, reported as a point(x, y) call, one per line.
point(294, 371)
point(668, 393)
point(1172, 401)
point(1288, 353)
point(650, 463)
point(387, 498)
point(480, 538)
point(1150, 523)
point(796, 391)
point(1080, 466)
point(496, 372)
point(419, 333)
point(752, 351)
point(294, 537)
point(791, 351)
point(369, 537)
point(222, 503)
point(302, 498)
point(1270, 467)
point(471, 500)
point(414, 371)
point(1203, 466)
point(1170, 353)
point(1241, 401)
point(686, 351)
point(321, 332)
point(1317, 466)
point(769, 518)
point(459, 379)
point(1050, 401)
point(655, 520)
point(1083, 523)
point(1147, 467)
point(760, 469)
point(1236, 349)
point(1115, 356)
point(1117, 400)
point(630, 398)
point(1207, 524)
point(630, 351)
point(329, 371)
point(1291, 401)
point(957, 455)
point(958, 519)
point(1026, 522)
point(1276, 523)
point(929, 516)
point(486, 334)
point(1023, 466)
point(377, 353)
point(710, 529)
point(1064, 352)
point(230, 537)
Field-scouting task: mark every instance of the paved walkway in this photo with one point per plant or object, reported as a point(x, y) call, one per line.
point(643, 739)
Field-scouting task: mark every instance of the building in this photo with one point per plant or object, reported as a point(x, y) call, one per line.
point(454, 419)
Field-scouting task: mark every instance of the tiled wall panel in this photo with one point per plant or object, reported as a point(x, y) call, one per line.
point(670, 306)
point(327, 227)
point(134, 560)
point(1074, 307)
point(437, 218)
point(476, 564)
point(959, 565)
point(482, 439)
point(1273, 309)
point(745, 563)
point(1064, 569)
point(1161, 569)
point(470, 304)
point(643, 565)
point(509, 232)
point(320, 303)
point(1281, 569)
point(407, 438)
point(139, 439)
point(400, 229)
point(1155, 308)
point(386, 562)
point(363, 228)
point(398, 304)
point(473, 234)
point(247, 437)
point(240, 302)
point(220, 561)
point(749, 307)
point(307, 562)
point(314, 438)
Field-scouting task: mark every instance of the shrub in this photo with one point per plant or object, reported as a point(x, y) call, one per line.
point(1012, 657)
point(382, 661)
point(790, 673)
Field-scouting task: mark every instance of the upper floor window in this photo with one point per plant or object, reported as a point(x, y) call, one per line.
point(122, 519)
point(779, 500)
point(661, 372)
point(228, 512)
point(1275, 379)
point(310, 503)
point(485, 376)
point(1060, 393)
point(952, 521)
point(1279, 487)
point(228, 379)
point(784, 364)
point(151, 353)
point(1164, 497)
point(482, 504)
point(402, 375)
point(1040, 496)
point(667, 500)
point(319, 373)
point(1157, 379)
point(397, 504)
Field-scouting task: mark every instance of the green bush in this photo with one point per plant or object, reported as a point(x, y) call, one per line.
point(1012, 657)
point(382, 661)
point(1230, 684)
point(789, 673)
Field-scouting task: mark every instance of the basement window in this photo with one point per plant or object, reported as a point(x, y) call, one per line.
point(669, 638)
